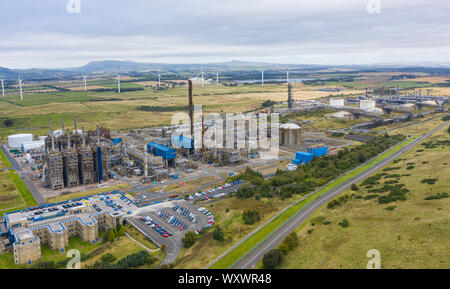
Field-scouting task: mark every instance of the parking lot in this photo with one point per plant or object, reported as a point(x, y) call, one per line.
point(218, 192)
point(167, 223)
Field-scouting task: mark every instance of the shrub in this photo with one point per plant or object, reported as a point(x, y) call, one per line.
point(354, 187)
point(429, 181)
point(189, 239)
point(108, 258)
point(8, 122)
point(284, 248)
point(218, 234)
point(44, 265)
point(250, 217)
point(273, 259)
point(437, 197)
point(344, 223)
point(391, 208)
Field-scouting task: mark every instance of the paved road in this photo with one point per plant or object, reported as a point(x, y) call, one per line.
point(31, 187)
point(276, 238)
point(172, 248)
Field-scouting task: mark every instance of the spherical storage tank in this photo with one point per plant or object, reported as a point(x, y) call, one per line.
point(16, 140)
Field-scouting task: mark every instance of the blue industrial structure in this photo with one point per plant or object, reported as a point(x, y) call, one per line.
point(99, 164)
point(302, 158)
point(318, 151)
point(161, 151)
point(180, 141)
point(116, 140)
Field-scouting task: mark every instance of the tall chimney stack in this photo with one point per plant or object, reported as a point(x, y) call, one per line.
point(84, 138)
point(191, 108)
point(98, 135)
point(289, 95)
point(68, 138)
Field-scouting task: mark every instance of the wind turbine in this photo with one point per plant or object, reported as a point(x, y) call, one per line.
point(159, 79)
point(20, 88)
point(262, 76)
point(3, 87)
point(118, 83)
point(85, 82)
point(203, 78)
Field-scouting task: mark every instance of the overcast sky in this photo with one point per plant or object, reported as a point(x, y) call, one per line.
point(41, 33)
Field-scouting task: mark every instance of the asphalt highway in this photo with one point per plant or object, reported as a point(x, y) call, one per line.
point(257, 253)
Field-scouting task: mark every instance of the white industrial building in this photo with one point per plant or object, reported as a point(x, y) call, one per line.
point(33, 146)
point(336, 102)
point(366, 104)
point(16, 140)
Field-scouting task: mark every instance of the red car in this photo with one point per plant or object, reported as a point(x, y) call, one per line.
point(165, 235)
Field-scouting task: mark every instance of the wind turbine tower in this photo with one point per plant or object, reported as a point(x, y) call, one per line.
point(20, 88)
point(118, 83)
point(262, 76)
point(159, 79)
point(203, 77)
point(217, 78)
point(3, 87)
point(287, 76)
point(85, 83)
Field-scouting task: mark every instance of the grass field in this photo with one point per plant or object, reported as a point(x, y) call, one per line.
point(240, 251)
point(14, 194)
point(409, 234)
point(119, 111)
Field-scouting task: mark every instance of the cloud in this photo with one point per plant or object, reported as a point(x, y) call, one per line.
point(43, 34)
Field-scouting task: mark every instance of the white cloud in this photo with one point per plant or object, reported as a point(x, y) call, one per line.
point(42, 34)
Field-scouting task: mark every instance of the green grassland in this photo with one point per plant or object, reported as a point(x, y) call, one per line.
point(412, 233)
point(14, 195)
point(241, 250)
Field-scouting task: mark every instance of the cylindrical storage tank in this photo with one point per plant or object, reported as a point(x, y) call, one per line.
point(16, 140)
point(366, 104)
point(337, 102)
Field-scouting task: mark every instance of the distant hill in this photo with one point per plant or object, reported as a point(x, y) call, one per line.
point(111, 67)
point(7, 73)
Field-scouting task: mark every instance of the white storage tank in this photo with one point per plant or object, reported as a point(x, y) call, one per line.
point(366, 104)
point(16, 140)
point(337, 102)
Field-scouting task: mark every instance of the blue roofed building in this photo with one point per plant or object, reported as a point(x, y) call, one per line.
point(165, 152)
